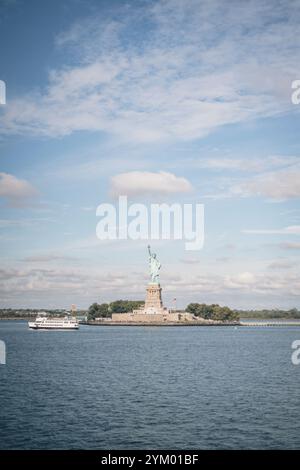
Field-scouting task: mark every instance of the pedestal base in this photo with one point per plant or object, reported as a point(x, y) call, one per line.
point(152, 311)
point(153, 303)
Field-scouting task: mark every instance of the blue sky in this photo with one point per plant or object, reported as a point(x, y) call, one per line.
point(199, 90)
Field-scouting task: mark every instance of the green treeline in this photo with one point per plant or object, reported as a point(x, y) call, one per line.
point(118, 306)
point(216, 312)
point(32, 312)
point(104, 310)
point(212, 312)
point(292, 314)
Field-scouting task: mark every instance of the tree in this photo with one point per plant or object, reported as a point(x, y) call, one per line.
point(124, 306)
point(212, 312)
point(118, 306)
point(224, 313)
point(201, 310)
point(98, 310)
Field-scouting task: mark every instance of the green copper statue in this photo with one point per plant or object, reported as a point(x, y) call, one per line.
point(154, 266)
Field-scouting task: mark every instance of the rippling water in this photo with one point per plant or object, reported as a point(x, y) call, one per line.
point(135, 387)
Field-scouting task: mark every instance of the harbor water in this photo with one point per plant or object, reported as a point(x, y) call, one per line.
point(120, 387)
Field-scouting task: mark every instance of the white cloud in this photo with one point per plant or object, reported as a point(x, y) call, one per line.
point(61, 286)
point(181, 81)
point(24, 222)
point(190, 260)
point(240, 280)
point(282, 264)
point(280, 185)
point(290, 245)
point(17, 192)
point(290, 230)
point(275, 177)
point(48, 258)
point(145, 182)
point(264, 284)
point(253, 164)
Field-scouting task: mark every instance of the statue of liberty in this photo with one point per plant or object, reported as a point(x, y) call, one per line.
point(154, 266)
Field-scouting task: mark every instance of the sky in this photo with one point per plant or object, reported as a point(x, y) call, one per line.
point(104, 97)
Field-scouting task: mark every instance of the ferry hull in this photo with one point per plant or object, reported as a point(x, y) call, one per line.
point(44, 323)
point(35, 327)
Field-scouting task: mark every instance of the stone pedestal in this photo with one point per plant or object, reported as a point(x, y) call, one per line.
point(152, 312)
point(153, 302)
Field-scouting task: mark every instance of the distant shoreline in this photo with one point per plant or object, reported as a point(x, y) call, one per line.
point(241, 319)
point(243, 323)
point(256, 319)
point(165, 323)
point(16, 318)
point(111, 323)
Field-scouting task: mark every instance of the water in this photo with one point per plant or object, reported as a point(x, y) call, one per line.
point(136, 387)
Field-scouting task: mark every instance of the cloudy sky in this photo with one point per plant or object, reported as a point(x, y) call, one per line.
point(190, 98)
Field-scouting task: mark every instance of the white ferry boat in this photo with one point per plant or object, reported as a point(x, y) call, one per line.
point(54, 323)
